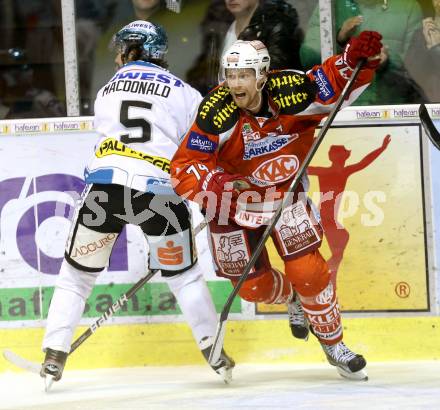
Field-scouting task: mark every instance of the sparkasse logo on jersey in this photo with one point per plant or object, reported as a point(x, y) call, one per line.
point(200, 142)
point(278, 169)
point(271, 143)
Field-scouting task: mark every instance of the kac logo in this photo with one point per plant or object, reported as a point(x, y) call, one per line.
point(278, 169)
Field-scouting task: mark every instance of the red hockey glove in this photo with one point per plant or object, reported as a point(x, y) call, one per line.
point(226, 189)
point(366, 45)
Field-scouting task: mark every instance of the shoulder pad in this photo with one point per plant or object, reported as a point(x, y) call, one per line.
point(291, 90)
point(217, 111)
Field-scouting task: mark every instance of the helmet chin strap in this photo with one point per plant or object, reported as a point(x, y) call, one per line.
point(259, 90)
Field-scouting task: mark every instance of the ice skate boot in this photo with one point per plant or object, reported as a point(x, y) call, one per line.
point(53, 366)
point(349, 365)
point(299, 326)
point(224, 365)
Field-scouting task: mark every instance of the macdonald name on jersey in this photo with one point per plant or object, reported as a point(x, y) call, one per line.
point(142, 82)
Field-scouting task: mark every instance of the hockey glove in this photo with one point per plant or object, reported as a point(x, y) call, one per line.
point(225, 189)
point(366, 46)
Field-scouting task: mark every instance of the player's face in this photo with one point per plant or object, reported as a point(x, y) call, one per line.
point(145, 4)
point(238, 7)
point(243, 85)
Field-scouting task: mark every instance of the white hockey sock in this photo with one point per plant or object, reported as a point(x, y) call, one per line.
point(72, 289)
point(195, 302)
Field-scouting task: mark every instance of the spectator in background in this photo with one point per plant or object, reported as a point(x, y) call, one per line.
point(32, 82)
point(305, 10)
point(203, 74)
point(274, 22)
point(20, 97)
point(92, 19)
point(243, 11)
point(145, 9)
point(39, 30)
point(3, 107)
point(397, 21)
point(182, 29)
point(423, 58)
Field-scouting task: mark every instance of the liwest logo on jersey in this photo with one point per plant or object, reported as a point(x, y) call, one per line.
point(111, 146)
point(200, 142)
point(133, 74)
point(269, 144)
point(325, 88)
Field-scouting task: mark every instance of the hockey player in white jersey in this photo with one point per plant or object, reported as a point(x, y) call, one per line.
point(140, 113)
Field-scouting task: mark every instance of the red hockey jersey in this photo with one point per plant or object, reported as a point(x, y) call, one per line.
point(268, 152)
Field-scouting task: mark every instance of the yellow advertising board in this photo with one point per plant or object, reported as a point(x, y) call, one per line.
point(368, 184)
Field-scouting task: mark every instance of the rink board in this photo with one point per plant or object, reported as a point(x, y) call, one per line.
point(381, 210)
point(260, 341)
point(389, 267)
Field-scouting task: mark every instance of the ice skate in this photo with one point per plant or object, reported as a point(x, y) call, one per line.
point(299, 326)
point(224, 365)
point(52, 367)
point(349, 365)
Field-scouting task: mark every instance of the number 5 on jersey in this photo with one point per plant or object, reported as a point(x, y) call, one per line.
point(135, 122)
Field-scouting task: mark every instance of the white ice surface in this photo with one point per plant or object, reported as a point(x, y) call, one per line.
point(403, 385)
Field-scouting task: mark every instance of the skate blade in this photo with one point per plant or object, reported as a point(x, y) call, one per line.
point(225, 374)
point(48, 381)
point(360, 375)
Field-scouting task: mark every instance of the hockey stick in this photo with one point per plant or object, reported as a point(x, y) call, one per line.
point(221, 327)
point(123, 299)
point(429, 127)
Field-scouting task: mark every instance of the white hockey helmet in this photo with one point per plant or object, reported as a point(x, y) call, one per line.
point(247, 54)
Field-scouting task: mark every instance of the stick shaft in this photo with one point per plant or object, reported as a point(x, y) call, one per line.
point(124, 298)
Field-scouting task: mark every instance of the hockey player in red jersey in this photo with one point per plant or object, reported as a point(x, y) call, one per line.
point(249, 137)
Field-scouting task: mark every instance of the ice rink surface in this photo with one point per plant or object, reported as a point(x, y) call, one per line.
point(403, 385)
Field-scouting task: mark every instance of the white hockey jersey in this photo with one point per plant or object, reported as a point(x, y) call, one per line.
point(142, 113)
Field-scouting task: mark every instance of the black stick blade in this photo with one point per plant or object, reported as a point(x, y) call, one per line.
point(429, 126)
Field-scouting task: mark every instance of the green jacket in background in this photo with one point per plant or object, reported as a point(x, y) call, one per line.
point(397, 22)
